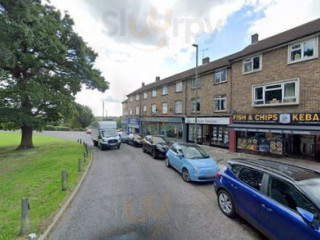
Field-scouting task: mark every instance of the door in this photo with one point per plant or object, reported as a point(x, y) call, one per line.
point(280, 216)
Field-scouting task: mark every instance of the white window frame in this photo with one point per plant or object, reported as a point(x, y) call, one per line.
point(219, 98)
point(153, 109)
point(164, 90)
point(282, 87)
point(250, 60)
point(137, 97)
point(137, 110)
point(193, 83)
point(164, 108)
point(179, 86)
point(145, 95)
point(178, 109)
point(302, 59)
point(154, 93)
point(194, 102)
point(219, 74)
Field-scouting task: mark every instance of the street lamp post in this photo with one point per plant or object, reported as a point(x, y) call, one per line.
point(196, 100)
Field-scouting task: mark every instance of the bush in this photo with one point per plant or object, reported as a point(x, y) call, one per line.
point(62, 128)
point(50, 128)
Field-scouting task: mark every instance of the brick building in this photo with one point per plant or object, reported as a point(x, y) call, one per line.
point(263, 99)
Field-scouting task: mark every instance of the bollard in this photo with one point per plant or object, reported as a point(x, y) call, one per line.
point(64, 180)
point(84, 156)
point(80, 141)
point(25, 224)
point(79, 165)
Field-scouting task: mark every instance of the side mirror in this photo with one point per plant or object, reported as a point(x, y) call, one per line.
point(306, 216)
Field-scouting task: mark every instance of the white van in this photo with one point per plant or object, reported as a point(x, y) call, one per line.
point(104, 135)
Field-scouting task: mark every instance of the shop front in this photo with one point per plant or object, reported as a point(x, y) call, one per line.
point(170, 127)
point(210, 131)
point(292, 135)
point(133, 125)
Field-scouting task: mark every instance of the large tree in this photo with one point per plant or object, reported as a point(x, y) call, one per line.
point(43, 64)
point(82, 117)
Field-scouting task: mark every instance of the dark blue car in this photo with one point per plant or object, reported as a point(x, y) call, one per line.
point(280, 200)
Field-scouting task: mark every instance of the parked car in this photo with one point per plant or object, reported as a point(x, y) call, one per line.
point(135, 139)
point(124, 137)
point(281, 200)
point(192, 161)
point(157, 146)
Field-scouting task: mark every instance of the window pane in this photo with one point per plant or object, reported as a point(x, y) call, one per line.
point(289, 90)
point(217, 105)
point(251, 177)
point(256, 63)
point(223, 104)
point(258, 93)
point(308, 49)
point(247, 67)
point(274, 96)
point(295, 55)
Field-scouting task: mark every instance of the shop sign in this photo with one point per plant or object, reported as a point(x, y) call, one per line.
point(212, 121)
point(162, 119)
point(276, 118)
point(134, 122)
point(275, 131)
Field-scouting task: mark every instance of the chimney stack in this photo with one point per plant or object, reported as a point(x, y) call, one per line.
point(205, 60)
point(142, 84)
point(157, 79)
point(254, 38)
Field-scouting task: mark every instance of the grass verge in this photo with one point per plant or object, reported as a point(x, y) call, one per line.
point(36, 174)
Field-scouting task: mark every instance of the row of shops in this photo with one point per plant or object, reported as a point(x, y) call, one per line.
point(279, 135)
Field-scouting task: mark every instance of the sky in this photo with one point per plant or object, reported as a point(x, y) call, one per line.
point(137, 40)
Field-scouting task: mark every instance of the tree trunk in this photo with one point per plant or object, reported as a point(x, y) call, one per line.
point(26, 138)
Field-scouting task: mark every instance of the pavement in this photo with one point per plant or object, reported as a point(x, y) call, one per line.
point(223, 155)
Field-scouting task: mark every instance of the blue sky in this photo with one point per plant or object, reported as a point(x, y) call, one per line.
point(139, 40)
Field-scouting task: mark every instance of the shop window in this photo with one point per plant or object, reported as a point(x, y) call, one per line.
point(179, 87)
point(303, 51)
point(220, 136)
point(164, 108)
point(195, 83)
point(260, 142)
point(164, 90)
point(220, 103)
point(195, 105)
point(220, 76)
point(252, 64)
point(282, 93)
point(178, 107)
point(154, 93)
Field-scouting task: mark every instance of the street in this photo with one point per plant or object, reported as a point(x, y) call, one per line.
point(129, 195)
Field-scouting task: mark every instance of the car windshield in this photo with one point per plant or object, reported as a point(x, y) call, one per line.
point(157, 140)
point(109, 133)
point(194, 152)
point(312, 188)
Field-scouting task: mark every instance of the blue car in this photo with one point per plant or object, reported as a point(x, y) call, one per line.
point(280, 200)
point(192, 162)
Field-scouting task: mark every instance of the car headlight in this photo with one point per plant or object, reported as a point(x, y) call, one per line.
point(195, 168)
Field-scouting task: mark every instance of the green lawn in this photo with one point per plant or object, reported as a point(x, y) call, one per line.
point(36, 174)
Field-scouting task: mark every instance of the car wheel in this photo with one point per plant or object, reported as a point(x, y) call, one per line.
point(119, 146)
point(167, 162)
point(95, 143)
point(154, 154)
point(143, 149)
point(226, 203)
point(185, 175)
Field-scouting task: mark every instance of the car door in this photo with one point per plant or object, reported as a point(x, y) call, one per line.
point(280, 216)
point(173, 157)
point(247, 194)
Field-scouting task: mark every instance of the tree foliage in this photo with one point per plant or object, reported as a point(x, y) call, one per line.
point(82, 117)
point(43, 64)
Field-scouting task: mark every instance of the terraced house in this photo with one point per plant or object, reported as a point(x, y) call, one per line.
point(264, 99)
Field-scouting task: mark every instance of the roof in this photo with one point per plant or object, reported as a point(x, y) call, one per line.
point(211, 66)
point(292, 172)
point(293, 34)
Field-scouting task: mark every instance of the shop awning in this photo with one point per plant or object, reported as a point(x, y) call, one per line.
point(284, 129)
